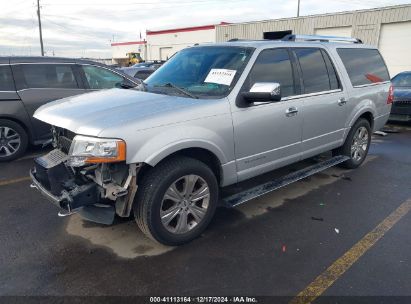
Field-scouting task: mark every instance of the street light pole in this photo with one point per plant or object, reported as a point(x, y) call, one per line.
point(41, 34)
point(298, 9)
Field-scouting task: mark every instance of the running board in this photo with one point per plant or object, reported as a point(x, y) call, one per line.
point(252, 193)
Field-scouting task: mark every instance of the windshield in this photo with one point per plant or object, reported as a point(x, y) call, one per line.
point(205, 72)
point(402, 80)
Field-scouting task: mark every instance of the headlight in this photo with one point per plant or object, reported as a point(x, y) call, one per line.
point(91, 150)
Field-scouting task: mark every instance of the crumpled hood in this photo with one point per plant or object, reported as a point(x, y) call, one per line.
point(91, 113)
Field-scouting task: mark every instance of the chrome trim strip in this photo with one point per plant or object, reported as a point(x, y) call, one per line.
point(371, 84)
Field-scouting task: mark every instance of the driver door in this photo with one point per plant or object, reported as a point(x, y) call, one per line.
point(268, 134)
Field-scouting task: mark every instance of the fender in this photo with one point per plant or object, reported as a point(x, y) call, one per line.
point(169, 141)
point(363, 107)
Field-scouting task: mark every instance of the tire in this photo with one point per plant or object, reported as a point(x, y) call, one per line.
point(356, 146)
point(162, 209)
point(13, 140)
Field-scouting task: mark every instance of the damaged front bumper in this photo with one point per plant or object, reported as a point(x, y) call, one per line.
point(96, 192)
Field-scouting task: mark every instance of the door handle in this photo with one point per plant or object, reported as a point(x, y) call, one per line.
point(292, 111)
point(342, 101)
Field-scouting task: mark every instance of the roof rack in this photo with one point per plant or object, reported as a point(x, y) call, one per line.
point(292, 37)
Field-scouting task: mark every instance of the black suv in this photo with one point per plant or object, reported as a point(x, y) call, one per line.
point(26, 83)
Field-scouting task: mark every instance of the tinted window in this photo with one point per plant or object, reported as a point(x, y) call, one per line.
point(364, 66)
point(99, 78)
point(273, 66)
point(6, 79)
point(332, 74)
point(48, 76)
point(402, 80)
point(314, 70)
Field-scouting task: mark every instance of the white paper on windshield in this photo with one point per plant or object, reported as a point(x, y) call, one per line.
point(221, 76)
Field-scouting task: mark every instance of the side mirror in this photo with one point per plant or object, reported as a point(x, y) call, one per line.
point(263, 91)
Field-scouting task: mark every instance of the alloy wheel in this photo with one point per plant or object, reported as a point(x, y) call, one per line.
point(185, 204)
point(10, 141)
point(360, 144)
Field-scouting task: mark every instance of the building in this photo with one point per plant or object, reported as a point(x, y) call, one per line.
point(389, 28)
point(120, 51)
point(161, 45)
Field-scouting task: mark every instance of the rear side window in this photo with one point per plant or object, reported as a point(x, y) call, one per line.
point(314, 70)
point(273, 65)
point(54, 76)
point(99, 78)
point(332, 74)
point(6, 79)
point(364, 66)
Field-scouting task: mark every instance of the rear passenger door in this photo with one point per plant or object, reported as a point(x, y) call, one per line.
point(325, 110)
point(40, 83)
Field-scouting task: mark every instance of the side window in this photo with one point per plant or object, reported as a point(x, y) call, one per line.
point(6, 79)
point(100, 78)
point(273, 65)
point(59, 76)
point(332, 73)
point(314, 70)
point(364, 66)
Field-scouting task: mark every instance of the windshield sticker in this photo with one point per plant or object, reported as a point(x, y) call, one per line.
point(220, 76)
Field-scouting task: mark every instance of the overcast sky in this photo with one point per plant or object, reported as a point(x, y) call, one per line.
point(85, 28)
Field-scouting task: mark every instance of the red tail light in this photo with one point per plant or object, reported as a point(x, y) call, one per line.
point(390, 98)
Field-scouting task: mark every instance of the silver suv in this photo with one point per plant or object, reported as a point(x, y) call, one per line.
point(212, 116)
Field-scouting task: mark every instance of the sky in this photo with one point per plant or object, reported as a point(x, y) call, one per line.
point(86, 28)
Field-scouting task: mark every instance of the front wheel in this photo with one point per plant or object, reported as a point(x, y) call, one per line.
point(176, 200)
point(357, 144)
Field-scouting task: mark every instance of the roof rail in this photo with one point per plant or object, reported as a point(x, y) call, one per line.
point(292, 37)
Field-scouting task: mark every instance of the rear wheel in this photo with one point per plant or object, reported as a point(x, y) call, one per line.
point(13, 140)
point(357, 144)
point(176, 200)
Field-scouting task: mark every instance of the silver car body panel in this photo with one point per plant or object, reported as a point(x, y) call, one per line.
point(247, 141)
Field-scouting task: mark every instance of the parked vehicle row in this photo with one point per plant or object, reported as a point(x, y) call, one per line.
point(26, 83)
point(143, 69)
point(401, 107)
point(211, 116)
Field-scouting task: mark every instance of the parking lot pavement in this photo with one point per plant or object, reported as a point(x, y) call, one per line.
point(275, 245)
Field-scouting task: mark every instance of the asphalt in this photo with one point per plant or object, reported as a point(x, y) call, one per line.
point(273, 246)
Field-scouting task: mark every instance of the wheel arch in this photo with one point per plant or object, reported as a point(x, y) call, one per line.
point(199, 153)
point(20, 123)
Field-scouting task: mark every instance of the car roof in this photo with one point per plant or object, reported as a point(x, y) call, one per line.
point(262, 44)
point(45, 59)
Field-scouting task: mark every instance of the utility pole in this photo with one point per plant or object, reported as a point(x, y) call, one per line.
point(41, 34)
point(298, 9)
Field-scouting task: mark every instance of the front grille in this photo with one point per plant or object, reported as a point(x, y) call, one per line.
point(402, 102)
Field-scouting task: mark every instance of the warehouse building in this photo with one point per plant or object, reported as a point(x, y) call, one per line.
point(389, 28)
point(121, 51)
point(161, 45)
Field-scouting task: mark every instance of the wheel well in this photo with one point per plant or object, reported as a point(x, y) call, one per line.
point(368, 116)
point(21, 124)
point(200, 154)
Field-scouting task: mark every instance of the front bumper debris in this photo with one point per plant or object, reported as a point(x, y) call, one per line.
point(59, 184)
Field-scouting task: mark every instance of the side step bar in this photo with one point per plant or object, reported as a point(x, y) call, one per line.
point(252, 193)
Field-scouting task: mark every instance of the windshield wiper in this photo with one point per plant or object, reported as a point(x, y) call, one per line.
point(181, 90)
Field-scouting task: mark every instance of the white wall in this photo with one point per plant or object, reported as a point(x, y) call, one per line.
point(169, 43)
point(342, 31)
point(120, 51)
point(395, 46)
